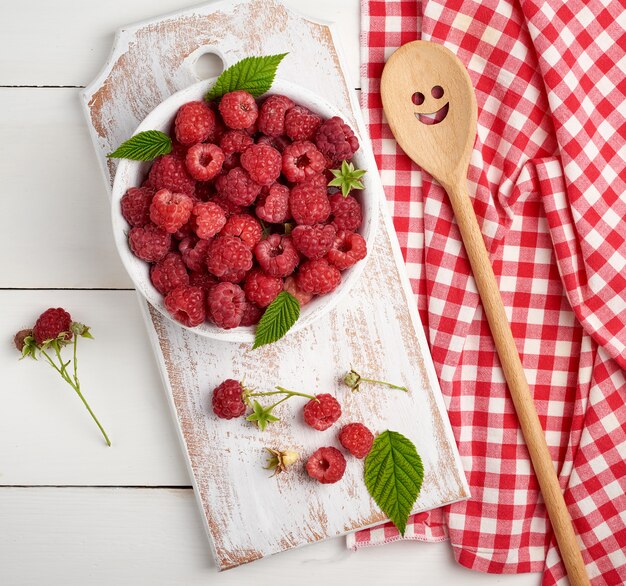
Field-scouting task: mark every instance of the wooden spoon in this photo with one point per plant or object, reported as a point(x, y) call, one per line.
point(431, 108)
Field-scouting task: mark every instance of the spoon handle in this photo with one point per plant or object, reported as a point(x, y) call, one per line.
point(517, 383)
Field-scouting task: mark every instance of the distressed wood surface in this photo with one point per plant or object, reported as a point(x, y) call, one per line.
point(248, 515)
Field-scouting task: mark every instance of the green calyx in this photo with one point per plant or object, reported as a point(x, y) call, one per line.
point(353, 380)
point(348, 178)
point(262, 416)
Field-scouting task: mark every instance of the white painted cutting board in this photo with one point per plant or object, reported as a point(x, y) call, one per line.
point(247, 514)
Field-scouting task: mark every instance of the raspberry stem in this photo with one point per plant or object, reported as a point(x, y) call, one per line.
point(75, 384)
point(353, 379)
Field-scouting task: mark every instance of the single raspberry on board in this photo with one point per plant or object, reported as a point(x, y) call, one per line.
point(170, 172)
point(226, 303)
point(204, 161)
point(321, 414)
point(277, 255)
point(314, 241)
point(227, 400)
point(357, 439)
point(170, 272)
point(326, 465)
point(260, 288)
point(346, 211)
point(51, 324)
point(318, 277)
point(245, 227)
point(272, 115)
point(194, 253)
point(135, 205)
point(235, 141)
point(335, 139)
point(292, 287)
point(170, 211)
point(301, 123)
point(238, 187)
point(273, 204)
point(194, 123)
point(238, 109)
point(347, 249)
point(252, 314)
point(302, 160)
point(309, 204)
point(207, 219)
point(149, 242)
point(186, 305)
point(262, 162)
point(229, 259)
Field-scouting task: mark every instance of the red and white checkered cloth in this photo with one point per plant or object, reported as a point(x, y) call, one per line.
point(548, 175)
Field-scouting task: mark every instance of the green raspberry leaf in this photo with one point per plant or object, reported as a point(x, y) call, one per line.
point(144, 146)
point(394, 475)
point(252, 74)
point(277, 320)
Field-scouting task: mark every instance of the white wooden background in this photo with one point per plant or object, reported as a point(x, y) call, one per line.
point(72, 511)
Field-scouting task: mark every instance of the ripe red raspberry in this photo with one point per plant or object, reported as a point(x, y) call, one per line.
point(348, 248)
point(235, 141)
point(238, 109)
point(194, 253)
point(277, 255)
point(245, 227)
point(318, 277)
point(262, 162)
point(229, 259)
point(204, 161)
point(302, 160)
point(238, 187)
point(301, 123)
point(335, 139)
point(291, 287)
point(226, 303)
point(170, 272)
point(227, 400)
point(194, 122)
point(252, 314)
point(261, 288)
point(309, 204)
point(318, 180)
point(346, 212)
point(278, 142)
point(149, 242)
point(326, 465)
point(203, 280)
point(205, 190)
point(207, 219)
point(135, 205)
point(273, 204)
point(228, 206)
point(272, 115)
point(178, 150)
point(170, 172)
point(183, 232)
point(357, 439)
point(51, 324)
point(186, 305)
point(321, 414)
point(314, 241)
point(170, 211)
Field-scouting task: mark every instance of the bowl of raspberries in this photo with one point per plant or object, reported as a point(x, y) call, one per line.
point(241, 209)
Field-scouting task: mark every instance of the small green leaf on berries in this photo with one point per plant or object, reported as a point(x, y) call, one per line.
point(348, 178)
point(252, 74)
point(261, 416)
point(29, 348)
point(394, 475)
point(144, 146)
point(277, 320)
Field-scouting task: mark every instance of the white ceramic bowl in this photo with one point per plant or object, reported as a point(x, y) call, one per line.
point(132, 173)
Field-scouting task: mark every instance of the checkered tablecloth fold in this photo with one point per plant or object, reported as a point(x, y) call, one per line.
point(548, 178)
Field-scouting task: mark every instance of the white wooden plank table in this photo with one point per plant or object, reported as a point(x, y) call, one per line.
point(71, 510)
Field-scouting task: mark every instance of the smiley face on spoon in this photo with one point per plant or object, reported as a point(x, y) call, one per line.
point(432, 116)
